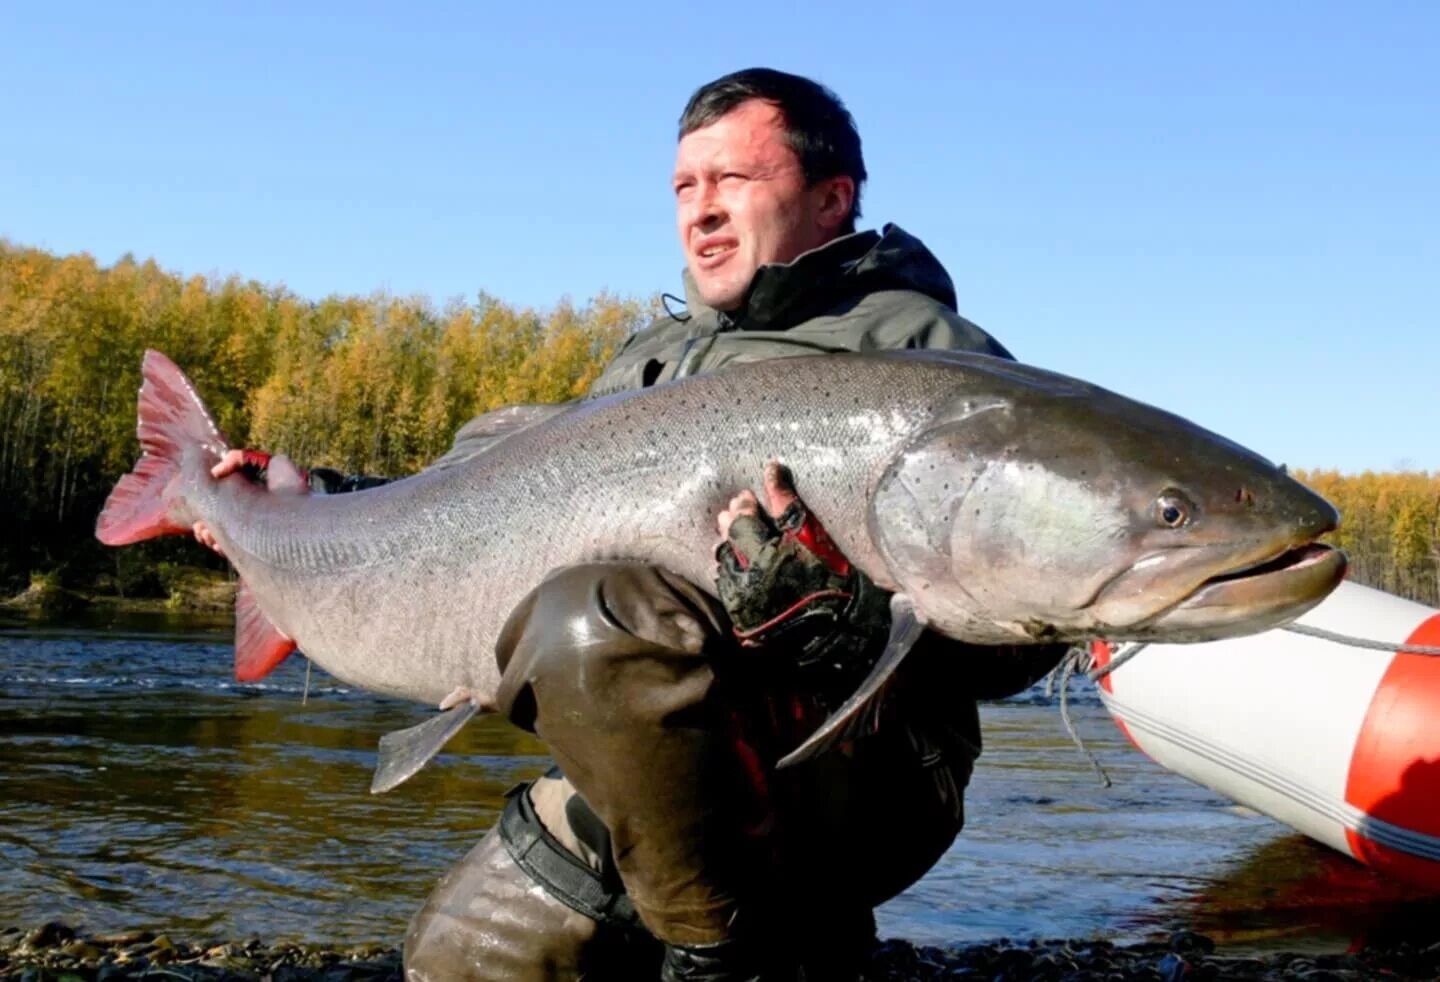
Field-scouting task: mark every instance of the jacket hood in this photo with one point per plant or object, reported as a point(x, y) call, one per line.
point(782, 295)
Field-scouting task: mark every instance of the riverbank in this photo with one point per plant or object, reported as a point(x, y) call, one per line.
point(55, 952)
point(188, 590)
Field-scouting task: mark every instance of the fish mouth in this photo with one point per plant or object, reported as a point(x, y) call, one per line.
point(1252, 598)
point(1290, 561)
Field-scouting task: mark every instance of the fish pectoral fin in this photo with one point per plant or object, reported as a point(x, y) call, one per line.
point(404, 752)
point(259, 645)
point(860, 713)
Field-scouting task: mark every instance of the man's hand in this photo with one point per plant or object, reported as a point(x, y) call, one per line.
point(253, 464)
point(784, 506)
point(786, 584)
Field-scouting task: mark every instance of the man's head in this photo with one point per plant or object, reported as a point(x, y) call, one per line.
point(769, 166)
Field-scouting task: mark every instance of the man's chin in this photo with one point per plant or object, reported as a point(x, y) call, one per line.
point(721, 294)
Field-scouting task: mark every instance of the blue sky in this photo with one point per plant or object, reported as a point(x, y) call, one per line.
point(1231, 210)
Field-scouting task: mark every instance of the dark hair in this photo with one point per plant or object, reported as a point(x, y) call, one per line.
point(818, 127)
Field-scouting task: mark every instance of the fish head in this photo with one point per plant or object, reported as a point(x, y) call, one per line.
point(1044, 508)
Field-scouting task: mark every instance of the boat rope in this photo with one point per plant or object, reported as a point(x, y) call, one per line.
point(1079, 659)
point(1073, 660)
point(1354, 642)
point(1126, 653)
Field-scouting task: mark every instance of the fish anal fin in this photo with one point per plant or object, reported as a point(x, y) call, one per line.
point(860, 714)
point(259, 645)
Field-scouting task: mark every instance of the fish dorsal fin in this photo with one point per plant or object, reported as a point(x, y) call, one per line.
point(283, 477)
point(484, 432)
point(404, 752)
point(860, 713)
point(259, 644)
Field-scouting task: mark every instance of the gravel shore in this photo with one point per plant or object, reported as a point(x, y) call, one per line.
point(55, 953)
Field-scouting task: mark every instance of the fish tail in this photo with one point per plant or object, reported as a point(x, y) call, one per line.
point(175, 431)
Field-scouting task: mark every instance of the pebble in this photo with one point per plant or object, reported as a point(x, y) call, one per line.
point(80, 950)
point(124, 938)
point(49, 935)
point(1190, 943)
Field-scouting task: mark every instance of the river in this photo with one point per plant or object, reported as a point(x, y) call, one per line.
point(142, 787)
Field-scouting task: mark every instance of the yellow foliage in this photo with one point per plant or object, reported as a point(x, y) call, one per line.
point(373, 384)
point(1389, 527)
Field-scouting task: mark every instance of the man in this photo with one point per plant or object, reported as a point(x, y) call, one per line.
point(666, 840)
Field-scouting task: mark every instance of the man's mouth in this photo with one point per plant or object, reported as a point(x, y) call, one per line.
point(713, 253)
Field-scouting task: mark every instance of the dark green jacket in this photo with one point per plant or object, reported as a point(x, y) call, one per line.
point(868, 291)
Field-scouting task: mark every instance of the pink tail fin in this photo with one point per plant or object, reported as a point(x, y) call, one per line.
point(173, 422)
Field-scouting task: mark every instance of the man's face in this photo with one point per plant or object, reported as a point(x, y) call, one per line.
point(741, 201)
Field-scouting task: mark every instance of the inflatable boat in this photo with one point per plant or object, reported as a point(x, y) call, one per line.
point(1339, 742)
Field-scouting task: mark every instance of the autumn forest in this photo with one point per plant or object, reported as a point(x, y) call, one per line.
point(374, 384)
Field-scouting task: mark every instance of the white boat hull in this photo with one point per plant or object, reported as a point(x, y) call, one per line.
point(1338, 742)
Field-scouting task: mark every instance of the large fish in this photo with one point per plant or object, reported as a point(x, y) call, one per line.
point(1000, 502)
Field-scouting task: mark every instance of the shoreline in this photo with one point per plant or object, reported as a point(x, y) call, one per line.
point(55, 951)
point(213, 598)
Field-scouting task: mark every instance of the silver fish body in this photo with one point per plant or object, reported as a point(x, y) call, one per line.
point(1010, 503)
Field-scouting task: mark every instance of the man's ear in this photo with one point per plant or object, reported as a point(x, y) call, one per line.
point(834, 196)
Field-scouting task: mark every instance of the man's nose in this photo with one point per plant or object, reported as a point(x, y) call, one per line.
point(709, 211)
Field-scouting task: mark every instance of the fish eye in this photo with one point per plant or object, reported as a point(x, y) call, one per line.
point(1173, 509)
